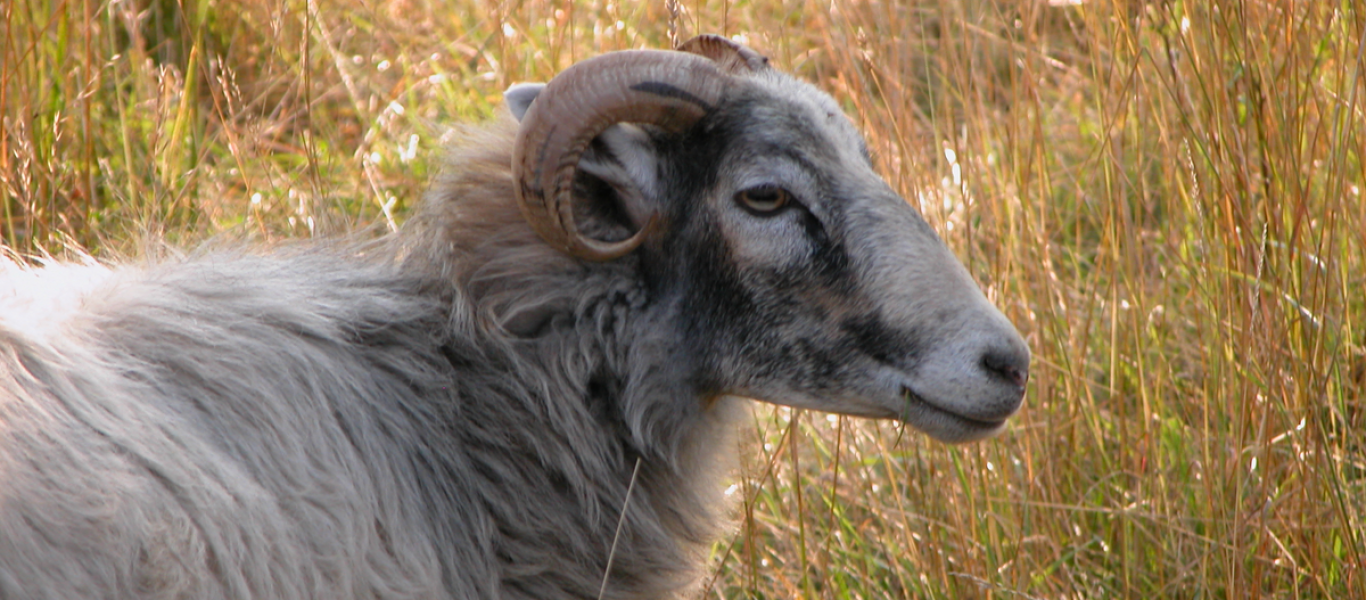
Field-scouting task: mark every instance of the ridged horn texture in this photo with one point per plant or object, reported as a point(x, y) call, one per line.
point(729, 56)
point(671, 90)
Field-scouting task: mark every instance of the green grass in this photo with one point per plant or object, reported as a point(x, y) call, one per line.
point(1165, 197)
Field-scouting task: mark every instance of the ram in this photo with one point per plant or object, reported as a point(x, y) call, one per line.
point(527, 392)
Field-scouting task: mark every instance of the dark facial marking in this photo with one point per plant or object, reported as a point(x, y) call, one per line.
point(872, 336)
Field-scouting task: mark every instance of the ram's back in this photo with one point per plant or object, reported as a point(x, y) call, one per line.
point(214, 428)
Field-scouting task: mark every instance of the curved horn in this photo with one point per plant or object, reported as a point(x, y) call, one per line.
point(671, 90)
point(729, 56)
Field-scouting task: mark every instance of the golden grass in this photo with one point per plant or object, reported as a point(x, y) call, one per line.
point(1165, 197)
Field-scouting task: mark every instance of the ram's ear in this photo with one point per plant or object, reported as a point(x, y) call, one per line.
point(520, 96)
point(624, 158)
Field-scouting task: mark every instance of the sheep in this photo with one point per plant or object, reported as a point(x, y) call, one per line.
point(536, 378)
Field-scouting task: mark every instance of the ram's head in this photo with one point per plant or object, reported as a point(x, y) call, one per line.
point(790, 271)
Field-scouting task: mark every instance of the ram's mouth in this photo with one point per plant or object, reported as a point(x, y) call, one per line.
point(943, 423)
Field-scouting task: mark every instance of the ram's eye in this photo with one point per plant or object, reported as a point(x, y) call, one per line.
point(764, 199)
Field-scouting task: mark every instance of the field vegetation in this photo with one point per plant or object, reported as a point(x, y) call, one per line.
point(1164, 196)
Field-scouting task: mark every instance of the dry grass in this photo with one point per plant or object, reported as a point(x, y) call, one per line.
point(1165, 197)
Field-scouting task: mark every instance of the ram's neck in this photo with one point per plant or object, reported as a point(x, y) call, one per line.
point(682, 439)
point(564, 383)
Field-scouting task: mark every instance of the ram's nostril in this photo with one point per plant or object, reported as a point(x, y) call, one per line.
point(1013, 367)
point(1016, 376)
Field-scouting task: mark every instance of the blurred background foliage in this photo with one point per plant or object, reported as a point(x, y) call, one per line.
point(1164, 196)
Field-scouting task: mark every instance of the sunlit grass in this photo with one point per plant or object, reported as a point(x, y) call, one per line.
point(1165, 197)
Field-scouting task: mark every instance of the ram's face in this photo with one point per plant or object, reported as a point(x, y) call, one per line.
point(804, 280)
point(791, 272)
